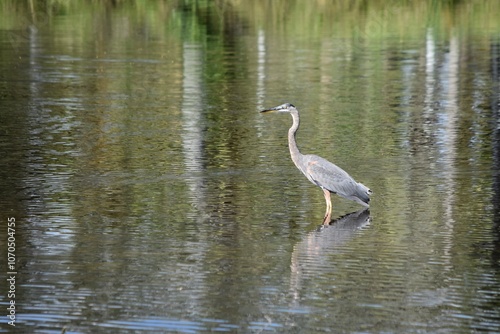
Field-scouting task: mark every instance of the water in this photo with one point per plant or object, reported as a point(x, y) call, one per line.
point(150, 195)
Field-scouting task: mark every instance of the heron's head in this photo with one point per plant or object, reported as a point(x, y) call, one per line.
point(286, 107)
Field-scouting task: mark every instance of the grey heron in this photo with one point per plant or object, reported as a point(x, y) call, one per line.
point(321, 172)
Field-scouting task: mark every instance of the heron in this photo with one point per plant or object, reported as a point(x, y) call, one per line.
point(321, 172)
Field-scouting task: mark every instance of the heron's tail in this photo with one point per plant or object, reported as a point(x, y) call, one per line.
point(363, 195)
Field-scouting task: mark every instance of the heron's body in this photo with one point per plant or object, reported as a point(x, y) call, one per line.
point(321, 172)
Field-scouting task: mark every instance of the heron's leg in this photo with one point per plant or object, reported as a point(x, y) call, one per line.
point(328, 213)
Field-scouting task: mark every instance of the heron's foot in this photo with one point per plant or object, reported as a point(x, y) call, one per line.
point(327, 220)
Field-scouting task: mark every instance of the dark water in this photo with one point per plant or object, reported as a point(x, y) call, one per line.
point(150, 195)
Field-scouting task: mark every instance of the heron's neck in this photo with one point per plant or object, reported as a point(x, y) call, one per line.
point(292, 144)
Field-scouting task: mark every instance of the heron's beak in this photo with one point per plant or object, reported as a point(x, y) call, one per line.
point(269, 110)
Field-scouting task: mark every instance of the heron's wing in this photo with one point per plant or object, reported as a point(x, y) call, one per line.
point(329, 176)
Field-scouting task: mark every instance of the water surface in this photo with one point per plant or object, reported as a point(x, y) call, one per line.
point(150, 194)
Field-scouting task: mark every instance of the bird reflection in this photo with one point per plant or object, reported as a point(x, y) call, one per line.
point(308, 257)
point(349, 222)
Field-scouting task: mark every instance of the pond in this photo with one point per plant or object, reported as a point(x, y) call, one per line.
point(149, 193)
